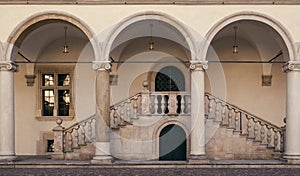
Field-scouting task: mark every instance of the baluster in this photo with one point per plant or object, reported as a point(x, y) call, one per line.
point(237, 120)
point(122, 115)
point(262, 133)
point(116, 120)
point(158, 104)
point(152, 104)
point(68, 143)
point(256, 128)
point(276, 140)
point(217, 112)
point(89, 130)
point(269, 136)
point(135, 108)
point(164, 103)
point(282, 140)
point(249, 128)
point(128, 112)
point(76, 139)
point(230, 119)
point(81, 136)
point(210, 106)
point(182, 104)
point(93, 122)
point(223, 114)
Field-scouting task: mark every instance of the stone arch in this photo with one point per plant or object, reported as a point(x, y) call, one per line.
point(48, 15)
point(255, 16)
point(148, 15)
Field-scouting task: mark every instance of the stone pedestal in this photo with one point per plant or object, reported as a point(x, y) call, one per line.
point(197, 153)
point(7, 121)
point(58, 141)
point(292, 146)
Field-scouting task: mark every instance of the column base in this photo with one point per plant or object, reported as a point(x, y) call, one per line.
point(102, 160)
point(198, 159)
point(7, 158)
point(291, 159)
point(102, 155)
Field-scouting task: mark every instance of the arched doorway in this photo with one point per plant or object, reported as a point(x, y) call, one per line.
point(172, 144)
point(169, 79)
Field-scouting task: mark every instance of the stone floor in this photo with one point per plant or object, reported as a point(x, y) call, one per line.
point(149, 171)
point(29, 166)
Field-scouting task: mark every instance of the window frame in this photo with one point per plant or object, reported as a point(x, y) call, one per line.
point(55, 70)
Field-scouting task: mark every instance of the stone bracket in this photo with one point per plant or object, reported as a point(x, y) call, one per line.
point(30, 79)
point(266, 80)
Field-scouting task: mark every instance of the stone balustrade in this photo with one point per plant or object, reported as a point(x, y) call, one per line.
point(150, 104)
point(73, 137)
point(244, 123)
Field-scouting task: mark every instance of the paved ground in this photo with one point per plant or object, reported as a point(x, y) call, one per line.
point(150, 171)
point(31, 166)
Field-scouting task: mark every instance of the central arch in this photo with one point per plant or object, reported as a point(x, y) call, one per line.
point(144, 16)
point(172, 143)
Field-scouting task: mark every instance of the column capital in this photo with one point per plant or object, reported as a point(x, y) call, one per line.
point(102, 65)
point(8, 66)
point(198, 65)
point(291, 66)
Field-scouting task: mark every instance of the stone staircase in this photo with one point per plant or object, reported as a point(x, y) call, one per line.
point(233, 133)
point(78, 140)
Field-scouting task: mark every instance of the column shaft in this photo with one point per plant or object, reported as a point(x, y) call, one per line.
point(102, 100)
point(197, 114)
point(292, 146)
point(7, 122)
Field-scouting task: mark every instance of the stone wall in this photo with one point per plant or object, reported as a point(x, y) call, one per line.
point(225, 144)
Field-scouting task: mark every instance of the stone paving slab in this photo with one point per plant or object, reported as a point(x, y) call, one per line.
point(29, 166)
point(150, 171)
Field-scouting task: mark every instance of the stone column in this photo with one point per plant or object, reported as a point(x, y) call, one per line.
point(103, 117)
point(292, 145)
point(7, 116)
point(197, 152)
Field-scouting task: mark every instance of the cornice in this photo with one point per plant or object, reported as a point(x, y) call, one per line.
point(152, 2)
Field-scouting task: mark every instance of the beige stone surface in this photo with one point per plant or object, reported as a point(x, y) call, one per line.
point(225, 145)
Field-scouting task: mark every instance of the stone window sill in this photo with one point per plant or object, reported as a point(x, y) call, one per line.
point(54, 118)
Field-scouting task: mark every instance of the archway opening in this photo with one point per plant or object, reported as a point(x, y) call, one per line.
point(133, 60)
point(253, 76)
point(47, 77)
point(172, 144)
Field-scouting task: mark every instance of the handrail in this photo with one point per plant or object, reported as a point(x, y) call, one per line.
point(124, 100)
point(243, 111)
point(80, 122)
